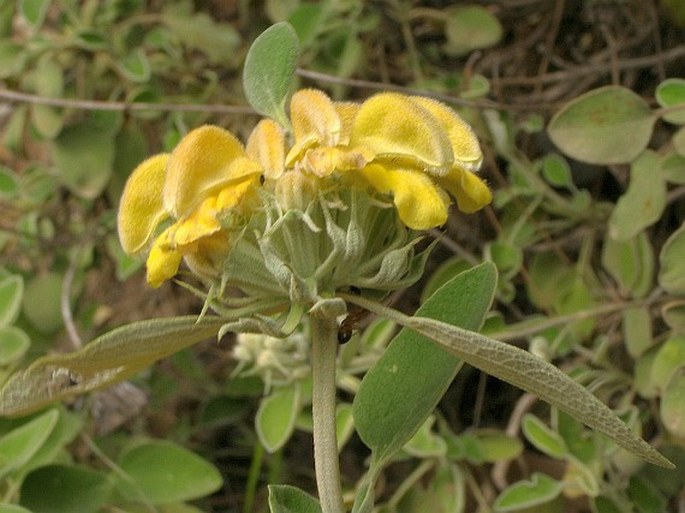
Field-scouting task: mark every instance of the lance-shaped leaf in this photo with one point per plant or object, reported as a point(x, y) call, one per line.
point(526, 371)
point(110, 358)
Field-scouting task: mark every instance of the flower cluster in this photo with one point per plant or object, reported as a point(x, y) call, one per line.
point(197, 202)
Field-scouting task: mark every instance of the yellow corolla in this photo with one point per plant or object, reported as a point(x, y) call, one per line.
point(208, 173)
point(413, 148)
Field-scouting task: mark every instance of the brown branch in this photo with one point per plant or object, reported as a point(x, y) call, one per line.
point(73, 103)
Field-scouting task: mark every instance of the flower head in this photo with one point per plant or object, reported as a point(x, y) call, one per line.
point(199, 202)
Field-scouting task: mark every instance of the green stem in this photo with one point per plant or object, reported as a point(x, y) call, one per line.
point(324, 353)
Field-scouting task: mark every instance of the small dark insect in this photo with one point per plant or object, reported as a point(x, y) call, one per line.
point(350, 324)
point(262, 179)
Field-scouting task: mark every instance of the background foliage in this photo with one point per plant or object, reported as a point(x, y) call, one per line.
point(579, 106)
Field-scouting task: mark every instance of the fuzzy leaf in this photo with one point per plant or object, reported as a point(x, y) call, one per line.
point(109, 359)
point(269, 71)
point(609, 125)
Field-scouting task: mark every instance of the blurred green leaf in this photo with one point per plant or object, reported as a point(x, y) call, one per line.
point(670, 93)
point(637, 330)
point(525, 494)
point(672, 263)
point(646, 496)
point(344, 424)
point(469, 28)
point(14, 343)
point(631, 263)
point(11, 508)
point(11, 295)
point(19, 445)
point(218, 41)
point(609, 125)
point(556, 170)
point(673, 168)
point(679, 141)
point(543, 438)
point(65, 489)
point(275, 419)
point(12, 58)
point(135, 66)
point(84, 155)
point(34, 11)
point(161, 472)
point(672, 408)
point(288, 499)
point(425, 443)
point(306, 21)
point(673, 314)
point(644, 201)
point(270, 69)
point(668, 360)
point(41, 303)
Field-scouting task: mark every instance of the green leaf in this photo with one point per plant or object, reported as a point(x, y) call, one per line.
point(288, 499)
point(198, 31)
point(543, 438)
point(109, 359)
point(679, 142)
point(673, 314)
point(34, 11)
point(306, 21)
point(65, 489)
point(11, 294)
point(672, 263)
point(270, 69)
point(672, 409)
point(19, 445)
point(11, 508)
point(630, 263)
point(670, 93)
point(47, 121)
point(609, 125)
point(13, 345)
point(668, 360)
point(470, 28)
point(525, 494)
point(344, 424)
point(673, 168)
point(645, 495)
point(41, 302)
point(84, 155)
point(644, 201)
point(161, 472)
point(556, 171)
point(526, 371)
point(9, 184)
point(425, 443)
point(12, 58)
point(399, 393)
point(637, 330)
point(135, 66)
point(275, 419)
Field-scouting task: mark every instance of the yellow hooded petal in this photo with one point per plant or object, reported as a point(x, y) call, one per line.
point(266, 145)
point(206, 159)
point(470, 191)
point(420, 203)
point(163, 260)
point(395, 128)
point(313, 116)
point(315, 122)
point(346, 112)
point(464, 143)
point(141, 209)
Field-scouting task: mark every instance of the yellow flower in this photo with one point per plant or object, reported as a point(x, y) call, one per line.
point(208, 173)
point(413, 148)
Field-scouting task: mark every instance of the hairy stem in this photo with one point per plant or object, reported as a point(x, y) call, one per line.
point(324, 352)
